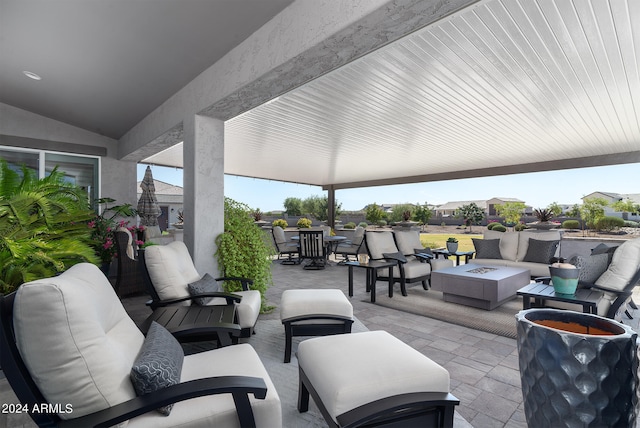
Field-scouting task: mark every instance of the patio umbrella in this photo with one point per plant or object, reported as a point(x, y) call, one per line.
point(148, 208)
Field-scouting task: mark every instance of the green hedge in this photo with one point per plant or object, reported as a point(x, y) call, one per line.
point(571, 224)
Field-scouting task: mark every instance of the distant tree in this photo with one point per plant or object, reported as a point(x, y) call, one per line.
point(318, 207)
point(511, 211)
point(398, 211)
point(374, 213)
point(293, 206)
point(422, 214)
point(574, 211)
point(592, 210)
point(470, 213)
point(555, 209)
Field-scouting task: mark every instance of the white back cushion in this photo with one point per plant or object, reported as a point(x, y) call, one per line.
point(278, 235)
point(76, 339)
point(379, 243)
point(508, 243)
point(170, 269)
point(523, 244)
point(408, 241)
point(624, 265)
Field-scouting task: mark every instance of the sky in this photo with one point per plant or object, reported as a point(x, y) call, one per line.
point(537, 189)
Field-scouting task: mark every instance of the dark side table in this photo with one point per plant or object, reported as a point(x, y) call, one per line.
point(372, 275)
point(540, 293)
point(197, 323)
point(446, 253)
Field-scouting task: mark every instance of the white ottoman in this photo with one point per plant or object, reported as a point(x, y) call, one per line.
point(312, 312)
point(369, 377)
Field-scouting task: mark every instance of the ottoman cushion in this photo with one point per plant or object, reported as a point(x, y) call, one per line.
point(348, 371)
point(297, 303)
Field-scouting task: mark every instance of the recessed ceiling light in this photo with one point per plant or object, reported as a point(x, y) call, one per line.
point(31, 75)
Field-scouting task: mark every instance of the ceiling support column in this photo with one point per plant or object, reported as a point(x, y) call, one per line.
point(203, 189)
point(331, 206)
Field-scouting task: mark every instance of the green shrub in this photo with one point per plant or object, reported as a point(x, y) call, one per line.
point(382, 223)
point(499, 228)
point(629, 223)
point(363, 224)
point(280, 222)
point(609, 223)
point(304, 223)
point(491, 225)
point(520, 227)
point(571, 224)
point(243, 251)
point(350, 225)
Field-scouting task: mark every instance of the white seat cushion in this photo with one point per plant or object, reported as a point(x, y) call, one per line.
point(354, 369)
point(76, 339)
point(295, 303)
point(248, 309)
point(218, 410)
point(412, 269)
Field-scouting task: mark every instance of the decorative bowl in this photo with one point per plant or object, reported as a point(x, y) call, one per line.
point(565, 281)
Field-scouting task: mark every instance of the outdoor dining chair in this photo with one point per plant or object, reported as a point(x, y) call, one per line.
point(285, 247)
point(312, 247)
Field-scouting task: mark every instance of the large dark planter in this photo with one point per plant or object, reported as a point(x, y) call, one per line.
point(577, 370)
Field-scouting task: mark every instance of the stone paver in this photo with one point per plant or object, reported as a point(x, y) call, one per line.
point(483, 366)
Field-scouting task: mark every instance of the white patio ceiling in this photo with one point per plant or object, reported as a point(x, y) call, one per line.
point(503, 86)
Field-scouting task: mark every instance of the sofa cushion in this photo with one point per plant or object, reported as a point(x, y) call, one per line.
point(158, 365)
point(540, 251)
point(76, 339)
point(508, 243)
point(523, 243)
point(170, 269)
point(206, 284)
point(624, 265)
point(487, 248)
point(591, 267)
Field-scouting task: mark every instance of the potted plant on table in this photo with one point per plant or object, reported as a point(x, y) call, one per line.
point(452, 245)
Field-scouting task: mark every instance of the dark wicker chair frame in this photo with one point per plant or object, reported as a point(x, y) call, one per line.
point(402, 280)
point(30, 396)
point(426, 409)
point(130, 279)
point(312, 247)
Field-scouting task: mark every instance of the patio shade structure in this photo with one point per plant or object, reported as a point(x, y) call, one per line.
point(499, 87)
point(148, 208)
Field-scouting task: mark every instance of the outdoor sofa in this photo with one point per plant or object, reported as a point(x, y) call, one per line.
point(530, 250)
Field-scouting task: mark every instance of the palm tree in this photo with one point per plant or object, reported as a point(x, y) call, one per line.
point(43, 226)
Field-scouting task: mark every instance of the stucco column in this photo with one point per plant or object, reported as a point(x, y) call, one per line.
point(203, 189)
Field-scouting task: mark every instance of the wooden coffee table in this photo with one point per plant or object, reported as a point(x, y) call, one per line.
point(484, 287)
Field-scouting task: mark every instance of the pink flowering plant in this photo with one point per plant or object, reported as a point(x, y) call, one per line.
point(104, 225)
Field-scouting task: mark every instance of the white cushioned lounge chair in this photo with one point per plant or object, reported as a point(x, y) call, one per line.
point(67, 341)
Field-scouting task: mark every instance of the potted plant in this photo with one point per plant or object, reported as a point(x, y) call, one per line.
point(243, 250)
point(102, 228)
point(304, 223)
point(280, 222)
point(544, 216)
point(452, 245)
point(257, 217)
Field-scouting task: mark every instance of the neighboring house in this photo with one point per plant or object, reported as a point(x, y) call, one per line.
point(170, 200)
point(611, 198)
point(488, 206)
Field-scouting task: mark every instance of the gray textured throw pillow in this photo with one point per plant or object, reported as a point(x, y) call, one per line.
point(591, 267)
point(159, 363)
point(540, 251)
point(206, 284)
point(487, 248)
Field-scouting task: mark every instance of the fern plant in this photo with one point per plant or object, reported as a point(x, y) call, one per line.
point(43, 226)
point(243, 250)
